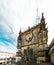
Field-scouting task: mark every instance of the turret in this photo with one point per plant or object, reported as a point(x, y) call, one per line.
point(43, 33)
point(18, 53)
point(42, 22)
point(19, 40)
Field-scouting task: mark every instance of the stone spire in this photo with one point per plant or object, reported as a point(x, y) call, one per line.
point(42, 19)
point(19, 40)
point(20, 32)
point(42, 22)
point(42, 15)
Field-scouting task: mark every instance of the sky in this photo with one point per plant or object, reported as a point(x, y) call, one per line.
point(16, 14)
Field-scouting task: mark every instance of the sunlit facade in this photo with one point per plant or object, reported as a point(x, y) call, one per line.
point(5, 55)
point(33, 43)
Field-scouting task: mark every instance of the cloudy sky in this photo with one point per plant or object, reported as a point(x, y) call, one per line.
point(23, 13)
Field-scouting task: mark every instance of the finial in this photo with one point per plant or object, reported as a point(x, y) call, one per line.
point(20, 31)
point(42, 19)
point(42, 15)
point(29, 28)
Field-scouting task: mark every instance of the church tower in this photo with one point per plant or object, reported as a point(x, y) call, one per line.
point(34, 38)
point(43, 33)
point(19, 40)
point(18, 53)
point(42, 53)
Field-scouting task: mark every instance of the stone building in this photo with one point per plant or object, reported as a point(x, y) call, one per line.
point(51, 51)
point(33, 43)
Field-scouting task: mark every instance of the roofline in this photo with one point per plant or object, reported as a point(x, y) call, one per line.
point(6, 52)
point(36, 26)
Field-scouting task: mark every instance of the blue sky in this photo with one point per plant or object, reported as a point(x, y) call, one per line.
point(23, 13)
point(7, 37)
